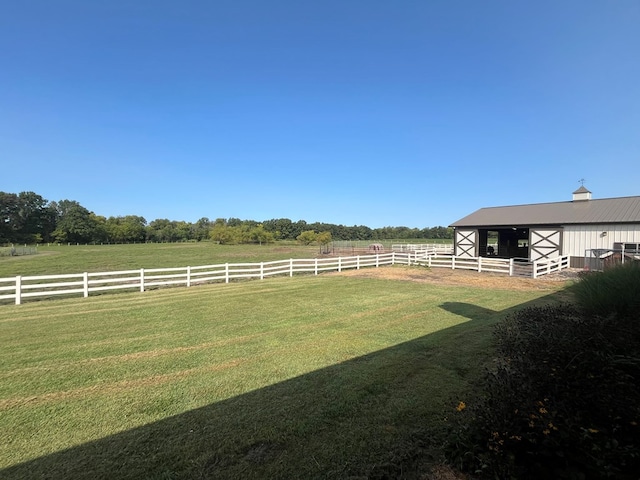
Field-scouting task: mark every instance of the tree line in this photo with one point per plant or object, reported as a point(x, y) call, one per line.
point(27, 217)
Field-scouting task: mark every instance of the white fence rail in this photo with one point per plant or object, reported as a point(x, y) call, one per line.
point(508, 266)
point(430, 248)
point(544, 267)
point(22, 287)
point(478, 264)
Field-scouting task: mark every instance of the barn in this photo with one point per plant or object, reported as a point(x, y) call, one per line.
point(550, 230)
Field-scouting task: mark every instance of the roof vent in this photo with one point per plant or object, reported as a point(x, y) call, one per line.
point(581, 194)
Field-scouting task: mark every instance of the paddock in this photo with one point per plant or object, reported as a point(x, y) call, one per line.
point(24, 287)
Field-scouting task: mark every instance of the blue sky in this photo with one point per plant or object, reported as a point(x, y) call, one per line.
point(368, 112)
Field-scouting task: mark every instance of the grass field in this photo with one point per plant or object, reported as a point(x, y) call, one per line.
point(310, 377)
point(52, 260)
point(102, 258)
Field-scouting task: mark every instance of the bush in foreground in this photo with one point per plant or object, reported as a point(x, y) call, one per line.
point(561, 401)
point(614, 291)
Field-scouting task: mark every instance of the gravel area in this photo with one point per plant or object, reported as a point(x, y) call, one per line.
point(446, 276)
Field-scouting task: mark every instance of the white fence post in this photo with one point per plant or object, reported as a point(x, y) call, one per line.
point(85, 281)
point(393, 258)
point(479, 264)
point(339, 264)
point(188, 276)
point(316, 269)
point(291, 267)
point(377, 260)
point(357, 262)
point(511, 267)
point(261, 270)
point(453, 262)
point(226, 273)
point(142, 279)
point(18, 289)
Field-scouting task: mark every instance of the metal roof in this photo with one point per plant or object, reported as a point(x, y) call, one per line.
point(606, 210)
point(582, 189)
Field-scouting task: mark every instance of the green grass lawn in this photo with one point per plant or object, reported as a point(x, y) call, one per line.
point(310, 377)
point(52, 260)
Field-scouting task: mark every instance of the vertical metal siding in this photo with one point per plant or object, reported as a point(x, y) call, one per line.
point(577, 239)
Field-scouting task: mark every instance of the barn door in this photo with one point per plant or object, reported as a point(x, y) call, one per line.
point(545, 243)
point(466, 243)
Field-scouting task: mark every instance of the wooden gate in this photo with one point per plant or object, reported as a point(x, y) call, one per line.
point(545, 243)
point(466, 243)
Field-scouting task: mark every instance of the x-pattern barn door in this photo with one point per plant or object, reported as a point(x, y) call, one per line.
point(545, 243)
point(466, 243)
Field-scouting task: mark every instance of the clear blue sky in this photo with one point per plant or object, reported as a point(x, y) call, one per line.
point(360, 112)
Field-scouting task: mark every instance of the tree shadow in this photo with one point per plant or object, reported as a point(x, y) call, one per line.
point(304, 427)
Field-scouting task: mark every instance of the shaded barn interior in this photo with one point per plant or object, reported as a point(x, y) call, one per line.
point(503, 242)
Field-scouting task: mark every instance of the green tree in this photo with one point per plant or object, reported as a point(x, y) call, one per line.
point(260, 235)
point(324, 239)
point(75, 223)
point(128, 229)
point(31, 218)
point(223, 234)
point(201, 229)
point(8, 216)
point(307, 237)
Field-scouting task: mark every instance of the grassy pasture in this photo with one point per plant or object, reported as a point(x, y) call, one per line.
point(63, 259)
point(102, 258)
point(310, 377)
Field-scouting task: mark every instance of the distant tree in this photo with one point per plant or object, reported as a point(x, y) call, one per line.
point(75, 223)
point(324, 239)
point(32, 219)
point(297, 228)
point(8, 217)
point(307, 237)
point(223, 234)
point(128, 229)
point(201, 229)
point(259, 235)
point(164, 230)
point(232, 222)
point(283, 228)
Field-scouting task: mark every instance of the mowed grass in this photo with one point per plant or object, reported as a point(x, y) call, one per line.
point(310, 377)
point(61, 259)
point(52, 260)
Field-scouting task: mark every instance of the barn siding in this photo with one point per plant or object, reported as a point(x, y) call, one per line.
point(577, 239)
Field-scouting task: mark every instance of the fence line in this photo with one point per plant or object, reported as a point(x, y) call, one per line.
point(544, 267)
point(430, 248)
point(22, 287)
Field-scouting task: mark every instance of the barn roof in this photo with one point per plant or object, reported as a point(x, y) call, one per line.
point(606, 210)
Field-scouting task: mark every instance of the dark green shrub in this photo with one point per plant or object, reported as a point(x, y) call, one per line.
point(614, 291)
point(561, 400)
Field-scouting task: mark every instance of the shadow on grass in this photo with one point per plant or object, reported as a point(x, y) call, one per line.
point(375, 416)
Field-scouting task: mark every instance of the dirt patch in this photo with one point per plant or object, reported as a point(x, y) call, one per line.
point(445, 276)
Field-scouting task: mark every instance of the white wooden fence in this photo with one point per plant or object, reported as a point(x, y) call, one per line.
point(544, 267)
point(508, 266)
point(21, 287)
point(430, 248)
